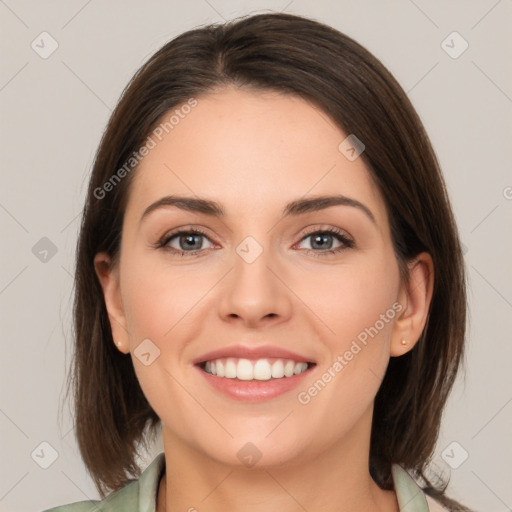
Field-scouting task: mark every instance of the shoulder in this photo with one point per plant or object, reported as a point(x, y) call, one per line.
point(135, 496)
point(125, 499)
point(81, 506)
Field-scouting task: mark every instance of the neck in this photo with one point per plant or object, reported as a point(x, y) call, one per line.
point(337, 480)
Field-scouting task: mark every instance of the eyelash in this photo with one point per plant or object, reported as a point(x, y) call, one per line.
point(338, 234)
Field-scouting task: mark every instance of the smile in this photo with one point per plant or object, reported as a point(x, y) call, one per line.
point(259, 370)
point(254, 381)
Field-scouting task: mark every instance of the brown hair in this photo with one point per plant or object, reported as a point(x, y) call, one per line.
point(302, 57)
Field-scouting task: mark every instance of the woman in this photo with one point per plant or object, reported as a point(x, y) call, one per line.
point(269, 269)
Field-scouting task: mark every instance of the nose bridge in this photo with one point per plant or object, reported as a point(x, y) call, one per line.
point(253, 291)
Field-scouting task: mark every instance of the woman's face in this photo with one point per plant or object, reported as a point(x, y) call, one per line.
point(265, 281)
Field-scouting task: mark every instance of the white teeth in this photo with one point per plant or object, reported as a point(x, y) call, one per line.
point(244, 370)
point(262, 369)
point(288, 368)
point(299, 368)
point(220, 369)
point(278, 369)
point(230, 369)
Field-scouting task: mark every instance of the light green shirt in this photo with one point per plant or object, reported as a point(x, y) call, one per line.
point(140, 495)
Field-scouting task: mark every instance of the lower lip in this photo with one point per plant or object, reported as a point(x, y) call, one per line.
point(254, 390)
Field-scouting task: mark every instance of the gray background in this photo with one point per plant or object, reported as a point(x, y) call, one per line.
point(54, 110)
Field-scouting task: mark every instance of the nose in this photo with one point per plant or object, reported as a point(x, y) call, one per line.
point(254, 292)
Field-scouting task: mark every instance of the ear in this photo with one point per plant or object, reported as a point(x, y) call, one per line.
point(415, 297)
point(108, 275)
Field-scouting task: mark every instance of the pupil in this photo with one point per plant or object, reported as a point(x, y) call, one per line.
point(190, 241)
point(320, 237)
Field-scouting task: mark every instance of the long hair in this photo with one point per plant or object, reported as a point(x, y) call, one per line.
point(308, 59)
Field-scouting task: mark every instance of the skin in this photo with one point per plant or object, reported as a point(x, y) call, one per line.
point(253, 152)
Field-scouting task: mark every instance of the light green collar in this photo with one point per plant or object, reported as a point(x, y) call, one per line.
point(409, 495)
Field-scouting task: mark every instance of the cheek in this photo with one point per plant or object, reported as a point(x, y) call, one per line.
point(355, 298)
point(367, 305)
point(156, 299)
point(159, 306)
point(358, 305)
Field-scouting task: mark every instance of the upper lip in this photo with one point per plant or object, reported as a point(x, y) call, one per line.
point(245, 352)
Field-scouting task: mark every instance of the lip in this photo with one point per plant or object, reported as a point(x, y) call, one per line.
point(245, 352)
point(254, 390)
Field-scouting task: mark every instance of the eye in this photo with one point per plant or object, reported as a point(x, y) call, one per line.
point(322, 239)
point(188, 242)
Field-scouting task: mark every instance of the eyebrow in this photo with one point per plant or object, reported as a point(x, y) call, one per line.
point(294, 208)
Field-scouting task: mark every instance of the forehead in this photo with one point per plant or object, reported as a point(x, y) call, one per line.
point(250, 150)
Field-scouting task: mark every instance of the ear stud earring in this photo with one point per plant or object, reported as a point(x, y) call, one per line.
point(119, 343)
point(404, 342)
